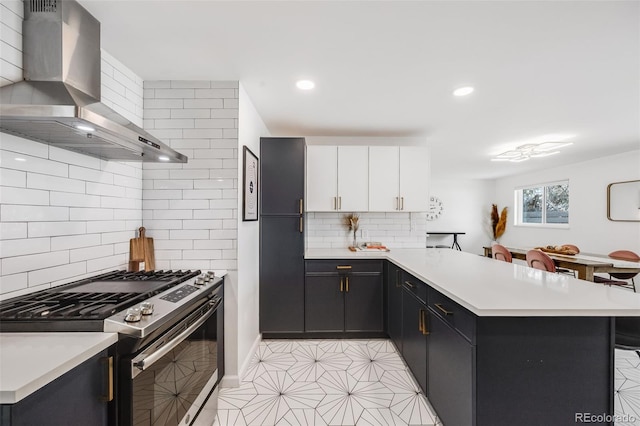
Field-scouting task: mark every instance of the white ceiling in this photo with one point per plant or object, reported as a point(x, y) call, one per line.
point(387, 68)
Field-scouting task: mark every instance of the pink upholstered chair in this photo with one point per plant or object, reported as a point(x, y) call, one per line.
point(622, 255)
point(500, 252)
point(540, 260)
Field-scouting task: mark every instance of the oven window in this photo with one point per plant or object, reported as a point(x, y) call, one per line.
point(164, 391)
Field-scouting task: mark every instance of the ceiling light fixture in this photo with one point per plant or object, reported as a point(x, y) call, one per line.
point(531, 150)
point(463, 91)
point(305, 84)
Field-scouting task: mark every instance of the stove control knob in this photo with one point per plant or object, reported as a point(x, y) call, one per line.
point(211, 274)
point(199, 281)
point(146, 308)
point(133, 315)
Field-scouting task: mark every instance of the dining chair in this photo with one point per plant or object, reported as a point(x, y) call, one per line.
point(566, 270)
point(540, 260)
point(500, 252)
point(628, 333)
point(622, 255)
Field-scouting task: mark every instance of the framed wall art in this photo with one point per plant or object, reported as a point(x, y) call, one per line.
point(249, 185)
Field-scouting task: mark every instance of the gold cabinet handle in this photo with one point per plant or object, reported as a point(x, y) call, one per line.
point(347, 283)
point(401, 203)
point(109, 394)
point(301, 206)
point(341, 285)
point(420, 325)
point(443, 309)
point(335, 203)
point(410, 284)
point(301, 225)
point(423, 315)
point(343, 267)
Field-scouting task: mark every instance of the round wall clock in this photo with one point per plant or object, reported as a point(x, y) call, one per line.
point(435, 208)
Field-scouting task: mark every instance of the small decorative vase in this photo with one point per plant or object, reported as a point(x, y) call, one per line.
point(355, 242)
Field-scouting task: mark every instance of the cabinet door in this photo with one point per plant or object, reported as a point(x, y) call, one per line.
point(363, 302)
point(414, 342)
point(281, 274)
point(281, 188)
point(450, 359)
point(384, 178)
point(414, 179)
point(394, 304)
point(353, 178)
point(324, 302)
point(322, 178)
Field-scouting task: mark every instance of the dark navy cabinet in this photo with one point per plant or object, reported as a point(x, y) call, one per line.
point(281, 189)
point(79, 397)
point(344, 296)
point(393, 278)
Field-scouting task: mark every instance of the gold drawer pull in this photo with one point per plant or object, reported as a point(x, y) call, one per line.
point(109, 364)
point(420, 319)
point(341, 285)
point(347, 283)
point(443, 310)
point(343, 267)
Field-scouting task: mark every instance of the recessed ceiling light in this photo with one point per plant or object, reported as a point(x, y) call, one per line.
point(463, 91)
point(85, 128)
point(305, 84)
point(163, 158)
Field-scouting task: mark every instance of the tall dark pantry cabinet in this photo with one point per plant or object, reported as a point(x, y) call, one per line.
point(281, 235)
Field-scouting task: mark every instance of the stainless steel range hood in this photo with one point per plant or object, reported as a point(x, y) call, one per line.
point(58, 102)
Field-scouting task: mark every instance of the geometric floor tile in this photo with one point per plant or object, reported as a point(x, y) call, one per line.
point(355, 382)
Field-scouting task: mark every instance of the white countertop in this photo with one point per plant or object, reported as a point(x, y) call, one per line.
point(488, 287)
point(29, 361)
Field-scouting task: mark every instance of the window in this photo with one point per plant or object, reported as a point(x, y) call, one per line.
point(546, 204)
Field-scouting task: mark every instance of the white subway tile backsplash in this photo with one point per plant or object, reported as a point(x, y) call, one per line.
point(12, 283)
point(213, 214)
point(117, 237)
point(155, 204)
point(201, 254)
point(184, 123)
point(163, 224)
point(93, 252)
point(62, 272)
point(14, 265)
point(190, 84)
point(107, 226)
point(91, 175)
point(215, 93)
point(38, 181)
point(103, 189)
point(53, 229)
point(215, 153)
point(10, 248)
point(13, 230)
point(168, 254)
point(73, 200)
point(202, 173)
point(121, 203)
point(163, 103)
point(201, 194)
point(214, 123)
point(188, 234)
point(131, 169)
point(203, 224)
point(127, 181)
point(14, 144)
point(22, 213)
point(175, 94)
point(203, 103)
point(15, 178)
point(163, 194)
point(118, 261)
point(213, 244)
point(160, 84)
point(172, 214)
point(174, 244)
point(89, 214)
point(74, 242)
point(188, 204)
point(190, 113)
point(27, 163)
point(11, 195)
point(203, 133)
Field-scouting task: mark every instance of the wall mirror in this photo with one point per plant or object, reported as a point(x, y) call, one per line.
point(623, 201)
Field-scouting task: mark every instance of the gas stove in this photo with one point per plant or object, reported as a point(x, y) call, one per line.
point(101, 303)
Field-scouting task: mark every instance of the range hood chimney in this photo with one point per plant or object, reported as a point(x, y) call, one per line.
point(58, 102)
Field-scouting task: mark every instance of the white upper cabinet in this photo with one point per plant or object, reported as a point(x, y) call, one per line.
point(398, 179)
point(367, 178)
point(337, 178)
point(322, 178)
point(414, 179)
point(384, 178)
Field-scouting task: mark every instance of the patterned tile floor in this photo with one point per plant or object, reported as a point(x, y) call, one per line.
point(353, 382)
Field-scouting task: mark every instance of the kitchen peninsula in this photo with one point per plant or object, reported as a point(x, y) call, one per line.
point(493, 343)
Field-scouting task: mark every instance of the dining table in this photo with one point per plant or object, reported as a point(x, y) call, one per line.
point(585, 264)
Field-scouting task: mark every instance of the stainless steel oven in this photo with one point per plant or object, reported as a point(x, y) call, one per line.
point(168, 381)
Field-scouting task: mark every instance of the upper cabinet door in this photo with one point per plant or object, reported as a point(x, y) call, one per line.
point(322, 178)
point(414, 179)
point(281, 189)
point(353, 178)
point(384, 178)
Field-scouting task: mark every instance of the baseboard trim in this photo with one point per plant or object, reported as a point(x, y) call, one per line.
point(247, 361)
point(230, 382)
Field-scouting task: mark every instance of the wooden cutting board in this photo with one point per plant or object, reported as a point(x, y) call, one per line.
point(141, 250)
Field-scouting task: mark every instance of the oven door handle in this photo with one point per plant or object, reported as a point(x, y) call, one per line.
point(143, 361)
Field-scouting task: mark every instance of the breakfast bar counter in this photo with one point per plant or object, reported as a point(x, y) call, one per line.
point(488, 287)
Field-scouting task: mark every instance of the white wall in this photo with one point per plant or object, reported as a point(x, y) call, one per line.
point(466, 206)
point(589, 228)
point(250, 129)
